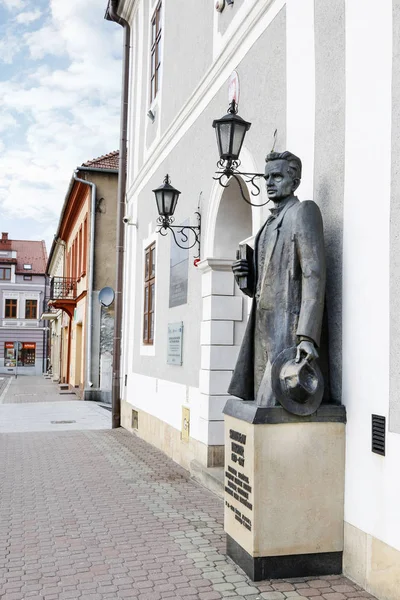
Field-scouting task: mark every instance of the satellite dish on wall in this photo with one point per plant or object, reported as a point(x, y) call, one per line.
point(106, 296)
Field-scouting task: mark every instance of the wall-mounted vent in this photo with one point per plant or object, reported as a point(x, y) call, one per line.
point(378, 434)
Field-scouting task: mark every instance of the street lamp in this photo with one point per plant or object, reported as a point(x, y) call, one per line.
point(166, 199)
point(231, 130)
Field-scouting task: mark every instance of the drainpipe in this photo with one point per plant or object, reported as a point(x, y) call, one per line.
point(111, 15)
point(89, 321)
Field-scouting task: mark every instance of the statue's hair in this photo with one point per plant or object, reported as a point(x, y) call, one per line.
point(294, 162)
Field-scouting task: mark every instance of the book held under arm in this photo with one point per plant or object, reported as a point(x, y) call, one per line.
point(246, 282)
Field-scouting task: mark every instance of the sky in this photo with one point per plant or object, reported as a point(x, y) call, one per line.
point(60, 84)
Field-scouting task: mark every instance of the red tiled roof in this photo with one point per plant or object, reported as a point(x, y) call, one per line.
point(30, 253)
point(107, 161)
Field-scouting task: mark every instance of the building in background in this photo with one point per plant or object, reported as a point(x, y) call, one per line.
point(56, 318)
point(23, 335)
point(308, 70)
point(81, 263)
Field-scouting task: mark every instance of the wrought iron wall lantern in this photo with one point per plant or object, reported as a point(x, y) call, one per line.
point(231, 130)
point(167, 199)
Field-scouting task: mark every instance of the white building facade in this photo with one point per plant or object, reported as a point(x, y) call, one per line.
point(23, 333)
point(326, 76)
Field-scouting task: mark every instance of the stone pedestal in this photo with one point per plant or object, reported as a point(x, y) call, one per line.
point(284, 490)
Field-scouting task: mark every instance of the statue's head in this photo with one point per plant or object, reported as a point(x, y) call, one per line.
point(282, 175)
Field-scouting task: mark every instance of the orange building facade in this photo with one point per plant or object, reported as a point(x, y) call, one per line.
point(81, 262)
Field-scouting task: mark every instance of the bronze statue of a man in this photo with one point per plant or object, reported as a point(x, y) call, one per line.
point(288, 283)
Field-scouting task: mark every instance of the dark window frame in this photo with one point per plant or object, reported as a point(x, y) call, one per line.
point(155, 51)
point(149, 294)
point(2, 273)
point(31, 307)
point(11, 306)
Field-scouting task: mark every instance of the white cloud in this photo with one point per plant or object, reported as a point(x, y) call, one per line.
point(45, 41)
point(9, 47)
point(65, 115)
point(11, 4)
point(29, 16)
point(7, 121)
point(38, 99)
point(40, 207)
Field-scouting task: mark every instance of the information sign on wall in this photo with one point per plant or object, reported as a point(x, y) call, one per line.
point(174, 343)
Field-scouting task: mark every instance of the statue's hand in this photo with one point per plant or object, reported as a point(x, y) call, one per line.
point(308, 350)
point(240, 268)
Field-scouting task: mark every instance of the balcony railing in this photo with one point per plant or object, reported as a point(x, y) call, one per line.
point(63, 288)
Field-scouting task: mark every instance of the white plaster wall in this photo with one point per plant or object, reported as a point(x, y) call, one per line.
point(247, 31)
point(300, 125)
point(372, 482)
point(164, 399)
point(147, 393)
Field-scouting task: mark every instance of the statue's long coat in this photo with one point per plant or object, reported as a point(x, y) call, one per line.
point(291, 295)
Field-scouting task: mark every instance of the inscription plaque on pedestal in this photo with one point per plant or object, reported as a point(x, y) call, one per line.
point(238, 486)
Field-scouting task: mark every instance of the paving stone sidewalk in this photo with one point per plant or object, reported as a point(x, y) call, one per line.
point(25, 389)
point(101, 514)
point(4, 379)
point(33, 403)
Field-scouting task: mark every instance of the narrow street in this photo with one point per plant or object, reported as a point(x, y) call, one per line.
point(93, 513)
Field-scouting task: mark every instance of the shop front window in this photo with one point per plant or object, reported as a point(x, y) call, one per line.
point(28, 354)
point(23, 352)
point(9, 354)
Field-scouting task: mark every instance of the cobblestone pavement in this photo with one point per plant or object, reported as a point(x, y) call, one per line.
point(33, 388)
point(4, 379)
point(101, 514)
point(29, 404)
point(53, 416)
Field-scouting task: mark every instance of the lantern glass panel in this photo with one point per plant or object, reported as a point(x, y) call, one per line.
point(168, 202)
point(168, 197)
point(174, 202)
point(224, 139)
point(239, 131)
point(159, 200)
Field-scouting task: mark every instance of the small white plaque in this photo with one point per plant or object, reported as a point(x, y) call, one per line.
point(174, 343)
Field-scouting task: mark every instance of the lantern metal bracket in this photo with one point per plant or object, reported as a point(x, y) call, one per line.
point(165, 223)
point(230, 169)
point(230, 131)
